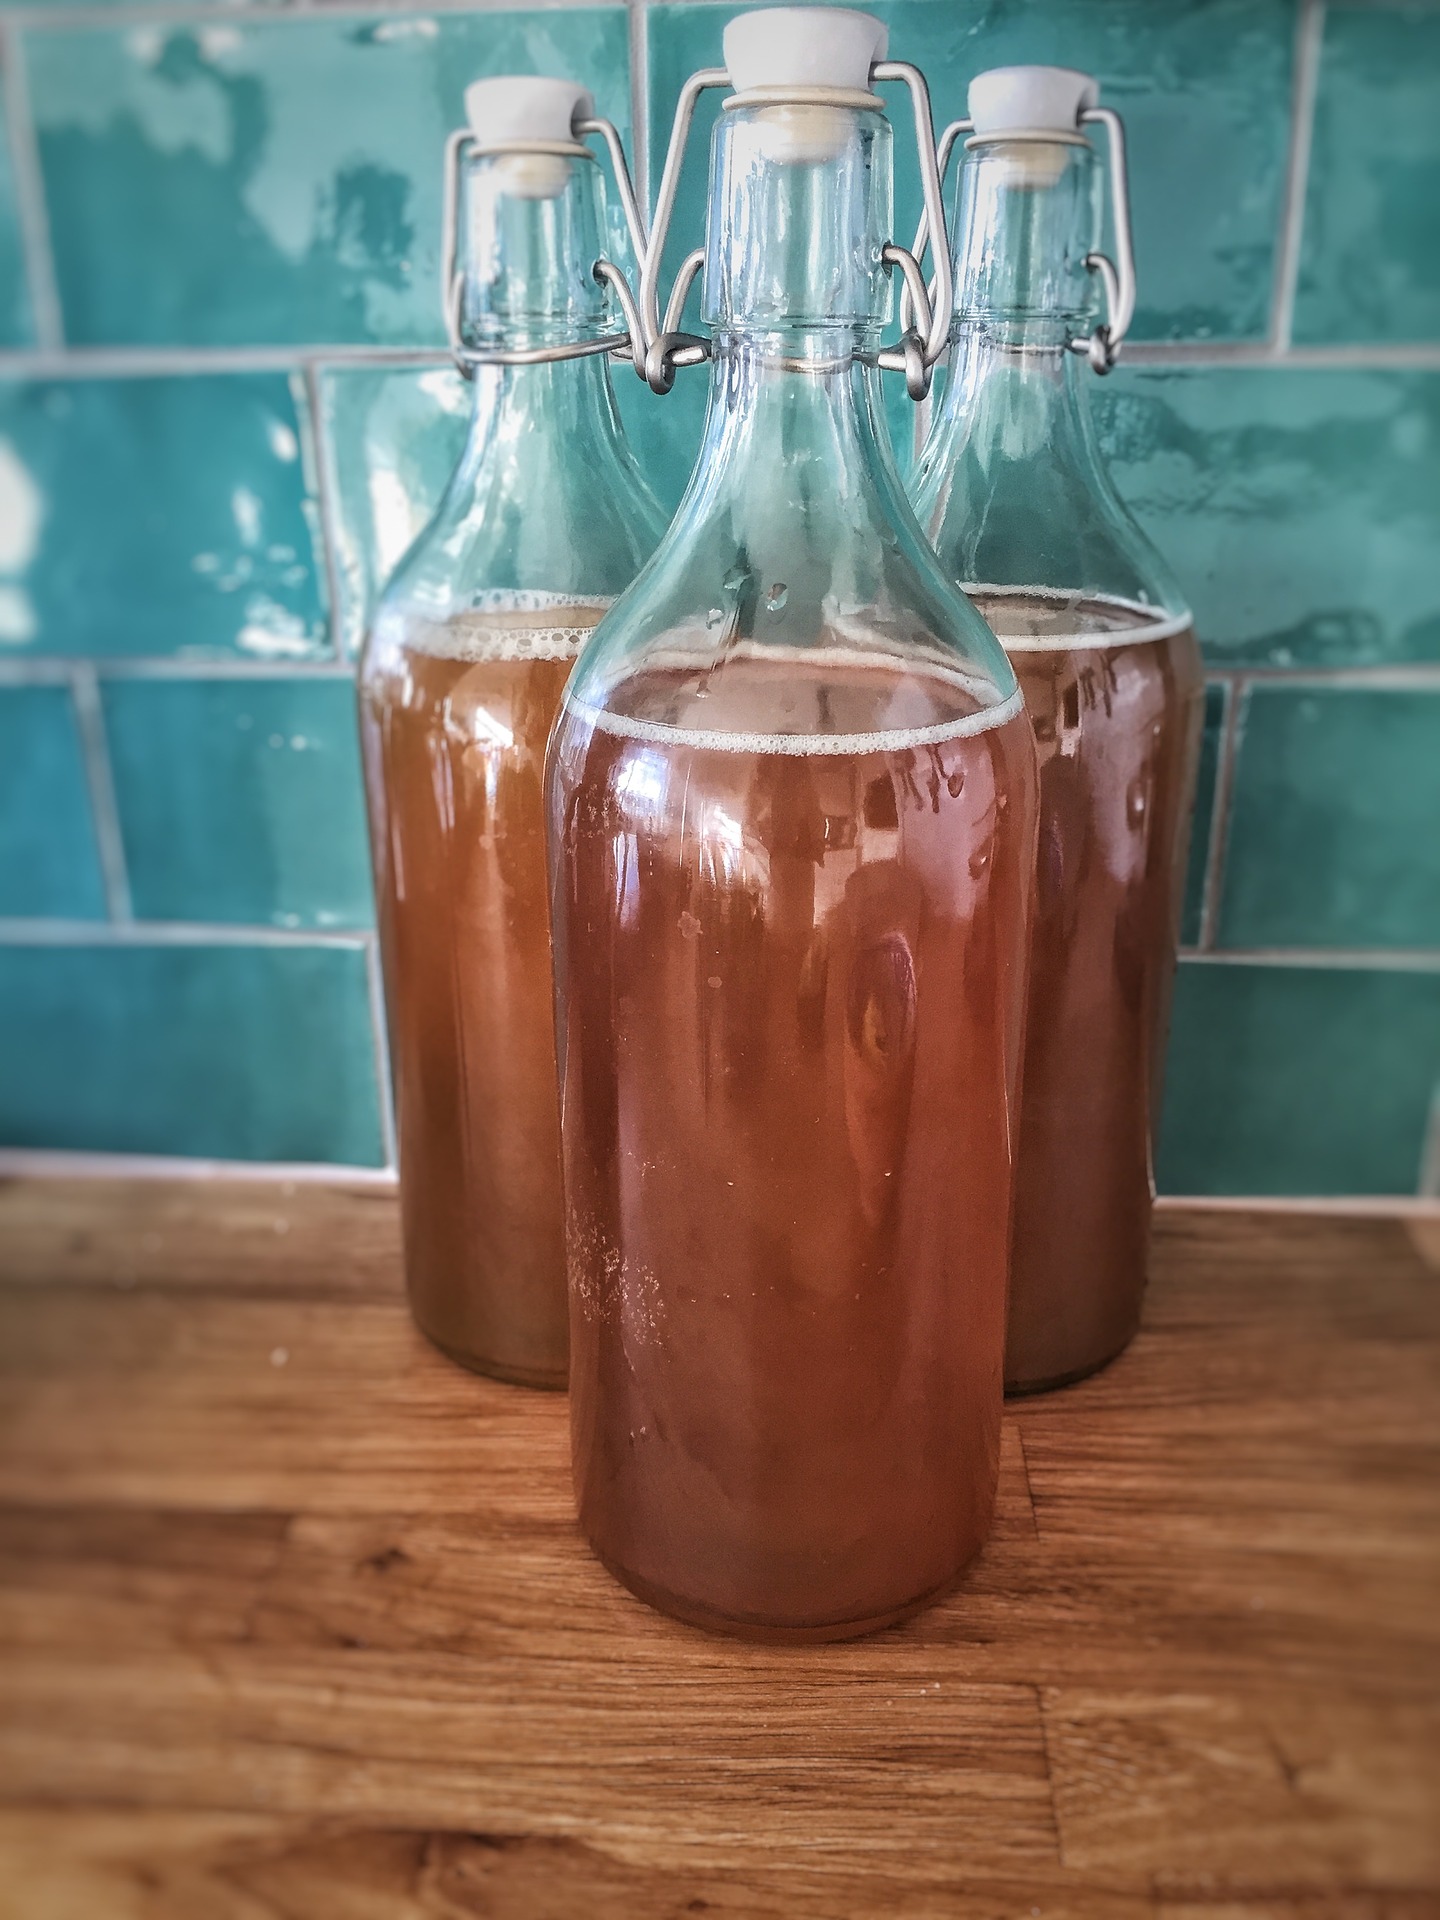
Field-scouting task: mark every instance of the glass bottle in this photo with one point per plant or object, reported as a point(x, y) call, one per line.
point(545, 520)
point(1013, 491)
point(791, 816)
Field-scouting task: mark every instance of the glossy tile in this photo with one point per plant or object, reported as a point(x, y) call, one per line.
point(1300, 507)
point(16, 329)
point(224, 1052)
point(246, 182)
point(1192, 912)
point(1334, 836)
point(1370, 252)
point(241, 800)
point(49, 861)
point(157, 516)
point(1299, 1080)
point(1204, 88)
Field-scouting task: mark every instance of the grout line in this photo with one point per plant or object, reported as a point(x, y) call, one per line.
point(51, 670)
point(1236, 694)
point(384, 1085)
point(100, 779)
point(45, 1163)
point(170, 933)
point(1309, 37)
point(142, 363)
point(158, 363)
point(200, 13)
point(1413, 677)
point(1337, 959)
point(639, 41)
point(1396, 1206)
point(1210, 886)
point(29, 183)
point(317, 453)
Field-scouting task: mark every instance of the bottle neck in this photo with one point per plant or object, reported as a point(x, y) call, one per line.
point(531, 231)
point(800, 212)
point(1012, 487)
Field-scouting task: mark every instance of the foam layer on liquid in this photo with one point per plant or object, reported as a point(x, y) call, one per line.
point(1050, 620)
point(511, 626)
point(845, 687)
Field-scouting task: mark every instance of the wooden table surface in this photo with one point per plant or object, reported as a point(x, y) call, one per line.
point(295, 1623)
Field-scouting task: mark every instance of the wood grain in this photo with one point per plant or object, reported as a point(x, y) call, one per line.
point(294, 1621)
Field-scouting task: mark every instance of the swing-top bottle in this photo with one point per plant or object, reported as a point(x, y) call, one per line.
point(545, 521)
point(791, 799)
point(1013, 491)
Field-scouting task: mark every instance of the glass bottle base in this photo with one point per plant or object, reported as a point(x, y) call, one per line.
point(1023, 1389)
point(548, 1379)
point(737, 1627)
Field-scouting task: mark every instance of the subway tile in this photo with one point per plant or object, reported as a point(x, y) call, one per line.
point(49, 861)
point(1334, 837)
point(394, 435)
point(1192, 912)
point(157, 516)
point(1370, 253)
point(223, 1052)
point(1300, 507)
point(16, 329)
point(240, 800)
point(1204, 86)
point(1299, 1080)
point(246, 181)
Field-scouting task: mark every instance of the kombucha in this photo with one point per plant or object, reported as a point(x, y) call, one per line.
point(1115, 696)
point(790, 899)
point(454, 722)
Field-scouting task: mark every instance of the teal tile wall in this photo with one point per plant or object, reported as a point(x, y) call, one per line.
point(239, 800)
point(49, 859)
point(225, 1052)
point(1297, 504)
point(1370, 269)
point(297, 157)
point(224, 412)
point(158, 516)
point(1299, 1079)
point(1334, 836)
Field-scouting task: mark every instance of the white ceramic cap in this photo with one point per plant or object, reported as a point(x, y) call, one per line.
point(1030, 100)
point(525, 106)
point(804, 47)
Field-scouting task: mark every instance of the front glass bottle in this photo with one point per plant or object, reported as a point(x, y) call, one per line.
point(791, 812)
point(545, 521)
point(1013, 492)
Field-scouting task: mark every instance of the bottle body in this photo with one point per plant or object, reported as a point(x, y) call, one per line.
point(1116, 718)
point(454, 725)
point(545, 521)
point(791, 813)
point(787, 1085)
point(1013, 492)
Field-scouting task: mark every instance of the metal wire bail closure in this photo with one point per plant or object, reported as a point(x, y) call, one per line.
point(1102, 346)
point(630, 343)
point(919, 346)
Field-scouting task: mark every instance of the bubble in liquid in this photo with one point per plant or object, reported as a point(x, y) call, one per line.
point(714, 620)
point(777, 596)
point(735, 579)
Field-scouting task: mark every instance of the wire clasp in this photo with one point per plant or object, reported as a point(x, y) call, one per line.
point(922, 340)
point(631, 343)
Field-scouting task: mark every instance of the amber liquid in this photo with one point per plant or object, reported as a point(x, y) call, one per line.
point(455, 728)
point(791, 974)
point(1117, 719)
